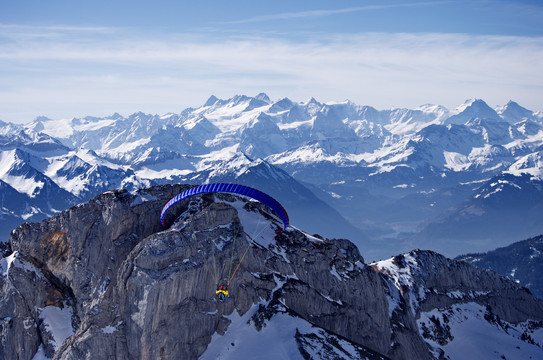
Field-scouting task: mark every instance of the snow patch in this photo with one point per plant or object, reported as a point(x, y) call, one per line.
point(334, 272)
point(281, 251)
point(58, 322)
point(456, 294)
point(24, 183)
point(535, 252)
point(147, 173)
point(339, 302)
point(401, 278)
point(256, 226)
point(141, 197)
point(32, 211)
point(5, 263)
point(40, 354)
point(111, 329)
point(456, 161)
point(462, 331)
point(243, 341)
point(531, 164)
point(12, 261)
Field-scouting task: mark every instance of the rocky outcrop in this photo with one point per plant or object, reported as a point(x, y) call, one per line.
point(104, 279)
point(520, 261)
point(77, 255)
point(423, 284)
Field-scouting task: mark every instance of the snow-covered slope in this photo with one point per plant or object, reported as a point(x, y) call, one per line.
point(450, 306)
point(385, 171)
point(283, 336)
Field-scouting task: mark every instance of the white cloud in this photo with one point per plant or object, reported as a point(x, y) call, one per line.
point(97, 74)
point(330, 12)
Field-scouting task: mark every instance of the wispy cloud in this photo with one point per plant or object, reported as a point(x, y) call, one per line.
point(99, 75)
point(63, 28)
point(17, 32)
point(323, 13)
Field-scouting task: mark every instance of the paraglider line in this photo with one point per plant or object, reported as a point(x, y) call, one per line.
point(214, 263)
point(243, 257)
point(238, 190)
point(232, 255)
point(246, 250)
point(211, 273)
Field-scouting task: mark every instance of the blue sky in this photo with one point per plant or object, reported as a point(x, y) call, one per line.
point(78, 58)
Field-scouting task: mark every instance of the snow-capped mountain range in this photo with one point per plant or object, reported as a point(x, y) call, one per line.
point(388, 179)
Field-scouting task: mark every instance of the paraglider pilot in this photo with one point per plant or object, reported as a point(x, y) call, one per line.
point(221, 292)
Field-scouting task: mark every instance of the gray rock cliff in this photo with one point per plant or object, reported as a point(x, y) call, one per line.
point(104, 279)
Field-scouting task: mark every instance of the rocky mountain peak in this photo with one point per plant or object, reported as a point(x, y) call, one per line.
point(263, 97)
point(105, 279)
point(512, 111)
point(211, 101)
point(472, 109)
point(520, 261)
point(281, 105)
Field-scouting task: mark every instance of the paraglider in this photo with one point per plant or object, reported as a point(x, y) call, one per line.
point(222, 292)
point(246, 191)
point(233, 189)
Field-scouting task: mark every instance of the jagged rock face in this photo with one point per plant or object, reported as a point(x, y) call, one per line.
point(78, 253)
point(293, 271)
point(104, 279)
point(425, 289)
point(137, 291)
point(520, 261)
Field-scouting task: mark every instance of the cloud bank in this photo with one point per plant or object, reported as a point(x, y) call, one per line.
point(67, 71)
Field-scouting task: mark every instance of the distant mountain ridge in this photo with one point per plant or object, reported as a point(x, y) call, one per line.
point(394, 175)
point(521, 261)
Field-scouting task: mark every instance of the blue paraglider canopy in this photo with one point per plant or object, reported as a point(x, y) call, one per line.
point(229, 188)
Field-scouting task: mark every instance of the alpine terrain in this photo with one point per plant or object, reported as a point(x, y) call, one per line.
point(104, 279)
point(454, 181)
point(520, 261)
